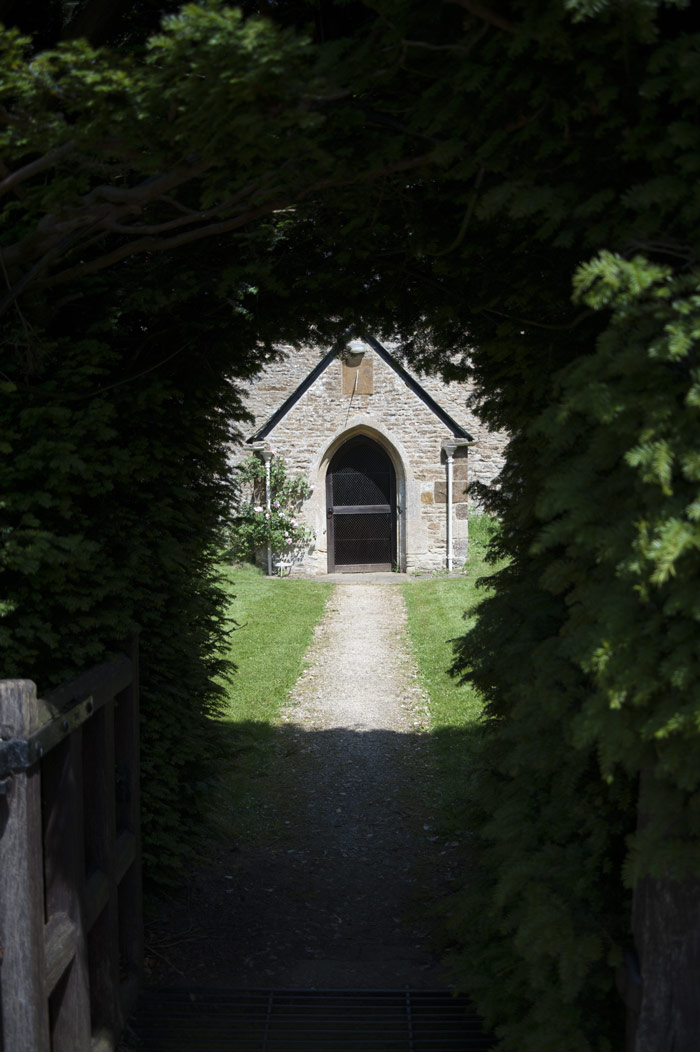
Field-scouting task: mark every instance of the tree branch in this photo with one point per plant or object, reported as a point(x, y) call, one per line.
point(95, 207)
point(59, 236)
point(19, 286)
point(39, 165)
point(540, 324)
point(467, 216)
point(94, 20)
point(463, 49)
point(151, 244)
point(368, 176)
point(659, 247)
point(149, 189)
point(486, 15)
point(191, 215)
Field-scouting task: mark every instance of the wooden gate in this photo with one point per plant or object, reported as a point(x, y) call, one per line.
point(361, 502)
point(71, 931)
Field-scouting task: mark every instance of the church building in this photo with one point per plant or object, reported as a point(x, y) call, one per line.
point(388, 458)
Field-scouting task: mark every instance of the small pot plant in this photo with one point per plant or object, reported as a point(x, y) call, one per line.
point(255, 526)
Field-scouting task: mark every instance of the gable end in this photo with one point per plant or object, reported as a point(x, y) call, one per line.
point(413, 385)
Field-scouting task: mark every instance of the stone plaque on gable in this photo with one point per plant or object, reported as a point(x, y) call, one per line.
point(358, 375)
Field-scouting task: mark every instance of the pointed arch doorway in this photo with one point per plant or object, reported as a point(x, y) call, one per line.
point(361, 508)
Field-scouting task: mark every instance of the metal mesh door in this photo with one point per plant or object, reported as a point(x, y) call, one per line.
point(361, 508)
point(363, 539)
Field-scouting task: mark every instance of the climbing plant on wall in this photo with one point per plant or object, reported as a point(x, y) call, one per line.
point(266, 514)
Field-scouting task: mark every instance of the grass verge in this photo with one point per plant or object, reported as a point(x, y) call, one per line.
point(275, 618)
point(441, 608)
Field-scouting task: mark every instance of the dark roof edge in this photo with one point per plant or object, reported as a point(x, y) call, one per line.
point(457, 430)
point(294, 397)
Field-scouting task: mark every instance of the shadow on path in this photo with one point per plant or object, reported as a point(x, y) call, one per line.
point(336, 861)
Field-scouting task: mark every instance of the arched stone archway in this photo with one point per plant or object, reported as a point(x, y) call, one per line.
point(317, 510)
point(361, 508)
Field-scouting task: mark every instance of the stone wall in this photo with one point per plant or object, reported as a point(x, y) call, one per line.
point(365, 395)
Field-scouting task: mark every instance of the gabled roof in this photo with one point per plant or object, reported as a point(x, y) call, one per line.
point(457, 430)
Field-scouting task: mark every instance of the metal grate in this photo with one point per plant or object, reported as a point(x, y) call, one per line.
point(363, 539)
point(351, 486)
point(307, 1021)
point(361, 453)
point(361, 474)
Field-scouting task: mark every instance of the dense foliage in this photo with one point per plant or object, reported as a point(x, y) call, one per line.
point(599, 616)
point(447, 178)
point(255, 525)
point(121, 356)
point(114, 479)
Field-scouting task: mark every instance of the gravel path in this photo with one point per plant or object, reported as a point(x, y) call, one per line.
point(330, 894)
point(357, 714)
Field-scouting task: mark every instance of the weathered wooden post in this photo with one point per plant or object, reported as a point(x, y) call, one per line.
point(71, 939)
point(127, 745)
point(68, 985)
point(25, 1020)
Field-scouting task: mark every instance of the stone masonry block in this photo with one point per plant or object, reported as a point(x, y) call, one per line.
point(459, 491)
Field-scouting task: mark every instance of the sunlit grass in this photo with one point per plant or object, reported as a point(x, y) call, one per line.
point(440, 609)
point(276, 620)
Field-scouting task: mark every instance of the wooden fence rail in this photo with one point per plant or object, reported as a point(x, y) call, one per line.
point(71, 932)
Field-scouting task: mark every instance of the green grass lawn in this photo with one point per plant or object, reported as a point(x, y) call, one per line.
point(276, 618)
point(440, 608)
point(436, 615)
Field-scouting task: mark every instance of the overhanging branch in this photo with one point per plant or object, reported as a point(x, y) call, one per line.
point(486, 15)
point(47, 160)
point(104, 208)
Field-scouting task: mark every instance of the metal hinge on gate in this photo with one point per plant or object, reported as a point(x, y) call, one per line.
point(19, 754)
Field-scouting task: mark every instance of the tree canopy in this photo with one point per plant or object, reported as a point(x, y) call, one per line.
point(510, 190)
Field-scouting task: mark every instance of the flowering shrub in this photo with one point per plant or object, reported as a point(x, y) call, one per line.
point(257, 526)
